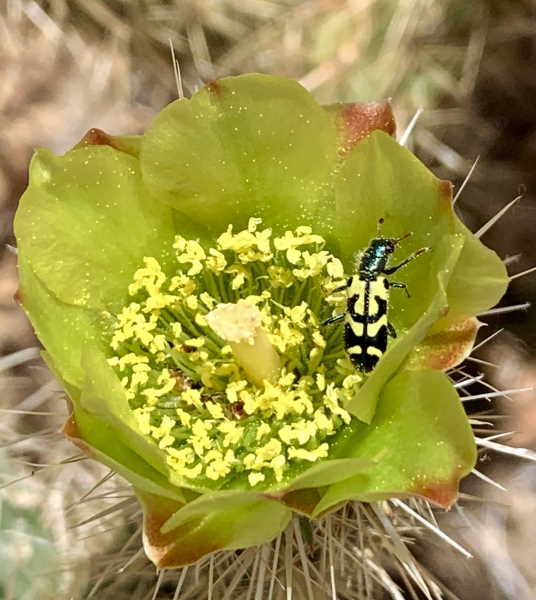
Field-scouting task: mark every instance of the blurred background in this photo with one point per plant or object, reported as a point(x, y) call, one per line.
point(69, 65)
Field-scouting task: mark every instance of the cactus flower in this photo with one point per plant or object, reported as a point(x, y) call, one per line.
point(179, 282)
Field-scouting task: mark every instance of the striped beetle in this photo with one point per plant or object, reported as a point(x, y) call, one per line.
point(366, 324)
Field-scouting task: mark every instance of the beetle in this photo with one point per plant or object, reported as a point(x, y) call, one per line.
point(366, 324)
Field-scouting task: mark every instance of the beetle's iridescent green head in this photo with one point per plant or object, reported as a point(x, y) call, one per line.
point(383, 245)
point(178, 281)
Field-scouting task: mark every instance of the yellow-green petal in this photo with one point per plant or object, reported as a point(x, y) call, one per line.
point(253, 145)
point(103, 396)
point(85, 223)
point(63, 329)
point(448, 343)
point(175, 536)
point(102, 442)
point(420, 439)
point(479, 280)
point(325, 473)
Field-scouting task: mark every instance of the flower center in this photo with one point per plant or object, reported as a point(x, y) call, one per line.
point(224, 360)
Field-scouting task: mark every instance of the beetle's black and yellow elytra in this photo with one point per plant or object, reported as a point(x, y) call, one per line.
point(366, 323)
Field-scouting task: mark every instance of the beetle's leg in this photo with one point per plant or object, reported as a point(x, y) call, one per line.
point(334, 319)
point(391, 330)
point(391, 270)
point(402, 286)
point(341, 288)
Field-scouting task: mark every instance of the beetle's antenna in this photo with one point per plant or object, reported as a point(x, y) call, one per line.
point(379, 226)
point(405, 236)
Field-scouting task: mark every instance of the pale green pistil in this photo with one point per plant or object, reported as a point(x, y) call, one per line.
point(240, 325)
